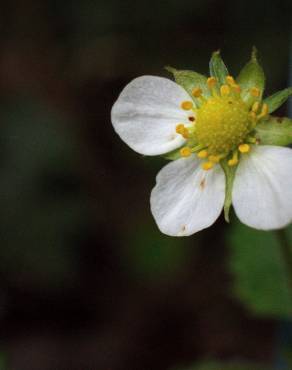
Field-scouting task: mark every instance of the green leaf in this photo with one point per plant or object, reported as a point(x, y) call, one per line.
point(275, 131)
point(189, 80)
point(260, 277)
point(229, 175)
point(252, 75)
point(218, 68)
point(276, 100)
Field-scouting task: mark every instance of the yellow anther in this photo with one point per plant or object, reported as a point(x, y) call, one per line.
point(236, 88)
point(234, 160)
point(185, 133)
point(244, 148)
point(225, 90)
point(255, 92)
point(214, 158)
point(230, 80)
point(255, 106)
point(197, 92)
point(211, 82)
point(187, 105)
point(264, 112)
point(185, 152)
point(203, 154)
point(208, 165)
point(180, 128)
point(253, 115)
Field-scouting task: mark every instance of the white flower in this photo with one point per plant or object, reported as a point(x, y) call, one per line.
point(154, 116)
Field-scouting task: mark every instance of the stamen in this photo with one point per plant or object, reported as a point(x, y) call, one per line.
point(214, 158)
point(234, 160)
point(264, 112)
point(197, 92)
point(187, 105)
point(236, 88)
point(180, 128)
point(244, 148)
point(225, 90)
point(255, 106)
point(192, 118)
point(230, 80)
point(211, 82)
point(208, 165)
point(203, 154)
point(253, 115)
point(185, 152)
point(255, 92)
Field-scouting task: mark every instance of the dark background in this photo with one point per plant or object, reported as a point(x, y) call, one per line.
point(87, 282)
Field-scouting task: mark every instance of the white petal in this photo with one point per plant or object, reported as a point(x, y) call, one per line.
point(187, 198)
point(262, 190)
point(147, 112)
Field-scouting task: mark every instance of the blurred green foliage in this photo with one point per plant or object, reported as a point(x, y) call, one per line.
point(153, 256)
point(42, 207)
point(260, 275)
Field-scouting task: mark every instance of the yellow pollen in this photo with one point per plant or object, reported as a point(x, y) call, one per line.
point(253, 115)
point(244, 148)
point(185, 152)
point(180, 128)
point(207, 166)
point(234, 160)
point(225, 90)
point(236, 88)
point(185, 133)
point(230, 80)
point(203, 154)
point(211, 82)
point(197, 92)
point(264, 112)
point(255, 92)
point(187, 105)
point(255, 106)
point(222, 123)
point(214, 158)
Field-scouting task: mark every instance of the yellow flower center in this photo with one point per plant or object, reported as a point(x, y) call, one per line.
point(221, 125)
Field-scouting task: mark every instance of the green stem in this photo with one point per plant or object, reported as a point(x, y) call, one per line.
point(286, 253)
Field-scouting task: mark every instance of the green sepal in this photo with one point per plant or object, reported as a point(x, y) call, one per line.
point(274, 131)
point(251, 75)
point(276, 100)
point(189, 80)
point(173, 155)
point(217, 68)
point(229, 176)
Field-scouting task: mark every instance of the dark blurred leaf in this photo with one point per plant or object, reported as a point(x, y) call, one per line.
point(260, 278)
point(225, 366)
point(275, 131)
point(41, 203)
point(154, 255)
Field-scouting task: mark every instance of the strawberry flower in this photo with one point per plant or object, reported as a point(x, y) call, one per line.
point(225, 147)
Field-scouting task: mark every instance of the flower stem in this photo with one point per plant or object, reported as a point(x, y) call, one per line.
point(286, 252)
